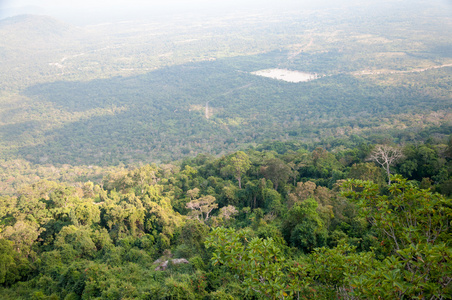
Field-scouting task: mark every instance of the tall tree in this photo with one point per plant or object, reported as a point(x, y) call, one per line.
point(238, 164)
point(277, 171)
point(386, 156)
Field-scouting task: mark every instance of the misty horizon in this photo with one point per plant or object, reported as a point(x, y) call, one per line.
point(89, 12)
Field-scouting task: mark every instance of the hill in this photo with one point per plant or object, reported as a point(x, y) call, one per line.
point(35, 32)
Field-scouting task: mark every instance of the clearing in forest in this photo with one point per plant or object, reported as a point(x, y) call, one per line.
point(286, 75)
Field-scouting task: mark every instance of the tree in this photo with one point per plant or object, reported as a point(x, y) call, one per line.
point(273, 201)
point(448, 151)
point(24, 233)
point(253, 190)
point(302, 226)
point(277, 171)
point(324, 163)
point(12, 266)
point(238, 164)
point(76, 238)
point(202, 207)
point(415, 226)
point(228, 211)
point(296, 161)
point(409, 215)
point(386, 156)
point(366, 171)
point(303, 190)
point(193, 234)
point(334, 268)
point(193, 193)
point(293, 171)
point(259, 263)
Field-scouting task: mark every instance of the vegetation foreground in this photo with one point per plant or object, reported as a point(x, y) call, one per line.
point(251, 225)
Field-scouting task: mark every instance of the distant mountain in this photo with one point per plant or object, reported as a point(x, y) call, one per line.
point(34, 31)
point(7, 12)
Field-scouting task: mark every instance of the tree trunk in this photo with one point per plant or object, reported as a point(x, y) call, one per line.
point(389, 174)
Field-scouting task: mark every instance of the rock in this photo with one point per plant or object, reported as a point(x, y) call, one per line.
point(164, 265)
point(179, 261)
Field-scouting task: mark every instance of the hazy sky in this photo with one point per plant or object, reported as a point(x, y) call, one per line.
point(256, 3)
point(122, 2)
point(64, 4)
point(149, 3)
point(103, 10)
point(117, 9)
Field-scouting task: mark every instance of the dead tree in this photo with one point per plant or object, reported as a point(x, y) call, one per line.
point(386, 156)
point(202, 207)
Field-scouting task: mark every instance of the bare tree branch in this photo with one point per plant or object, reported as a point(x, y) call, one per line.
point(386, 156)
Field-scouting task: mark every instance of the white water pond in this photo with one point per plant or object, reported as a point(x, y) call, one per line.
point(286, 75)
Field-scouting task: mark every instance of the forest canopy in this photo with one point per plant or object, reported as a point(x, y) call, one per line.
point(254, 224)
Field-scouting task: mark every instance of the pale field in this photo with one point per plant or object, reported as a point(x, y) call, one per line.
point(286, 75)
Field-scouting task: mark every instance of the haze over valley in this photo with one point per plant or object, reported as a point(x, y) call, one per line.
point(141, 86)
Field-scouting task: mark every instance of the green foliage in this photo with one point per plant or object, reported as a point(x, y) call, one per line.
point(407, 216)
point(333, 268)
point(273, 202)
point(13, 267)
point(77, 238)
point(87, 242)
point(277, 171)
point(416, 272)
point(259, 263)
point(192, 236)
point(415, 223)
point(302, 226)
point(237, 165)
point(366, 171)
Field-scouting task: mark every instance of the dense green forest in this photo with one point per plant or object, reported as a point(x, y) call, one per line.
point(145, 159)
point(286, 224)
point(245, 109)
